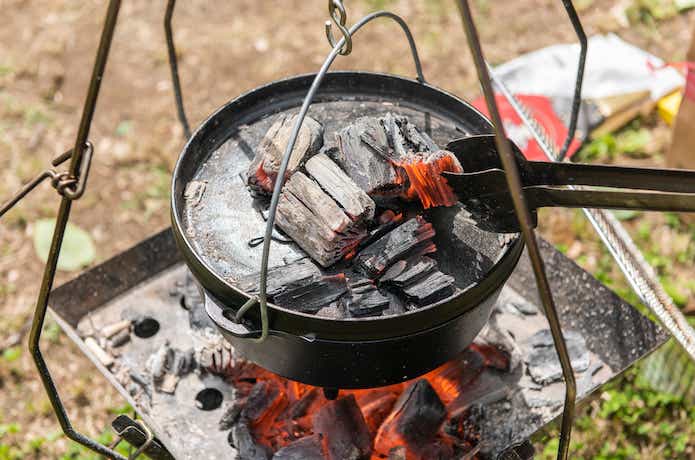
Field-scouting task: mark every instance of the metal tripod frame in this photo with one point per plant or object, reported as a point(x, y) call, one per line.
point(71, 185)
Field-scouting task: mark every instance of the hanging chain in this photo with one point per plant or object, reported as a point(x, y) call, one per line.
point(339, 17)
point(66, 184)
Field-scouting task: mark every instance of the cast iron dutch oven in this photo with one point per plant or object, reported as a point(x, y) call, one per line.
point(214, 218)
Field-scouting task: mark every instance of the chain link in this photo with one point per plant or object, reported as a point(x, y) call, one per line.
point(63, 182)
point(336, 9)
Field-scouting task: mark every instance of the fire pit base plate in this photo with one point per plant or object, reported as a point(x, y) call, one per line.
point(149, 282)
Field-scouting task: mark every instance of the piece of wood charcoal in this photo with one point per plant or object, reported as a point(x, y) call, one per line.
point(356, 203)
point(407, 271)
point(281, 277)
point(404, 137)
point(367, 165)
point(299, 286)
point(431, 288)
point(423, 177)
point(413, 237)
point(312, 297)
point(263, 170)
point(315, 222)
point(364, 299)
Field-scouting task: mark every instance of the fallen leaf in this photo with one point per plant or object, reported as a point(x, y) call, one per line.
point(77, 250)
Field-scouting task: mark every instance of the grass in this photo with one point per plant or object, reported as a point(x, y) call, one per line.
point(631, 418)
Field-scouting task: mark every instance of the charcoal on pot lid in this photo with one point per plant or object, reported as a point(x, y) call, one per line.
point(363, 163)
point(307, 448)
point(263, 170)
point(364, 299)
point(406, 272)
point(346, 434)
point(298, 286)
point(315, 221)
point(413, 237)
point(430, 288)
point(356, 203)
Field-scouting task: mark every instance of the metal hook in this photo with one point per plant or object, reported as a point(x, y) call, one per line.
point(334, 5)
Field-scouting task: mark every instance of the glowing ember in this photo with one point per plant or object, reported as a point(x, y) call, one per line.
point(264, 181)
point(414, 420)
point(424, 179)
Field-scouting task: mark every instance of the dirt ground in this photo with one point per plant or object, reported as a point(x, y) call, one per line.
point(46, 53)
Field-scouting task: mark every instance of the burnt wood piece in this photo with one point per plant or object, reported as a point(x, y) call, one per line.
point(265, 400)
point(354, 201)
point(432, 287)
point(408, 271)
point(421, 173)
point(369, 148)
point(316, 222)
point(404, 137)
point(346, 434)
point(413, 237)
point(376, 405)
point(299, 286)
point(364, 299)
point(307, 448)
point(367, 165)
point(248, 449)
point(263, 170)
point(415, 420)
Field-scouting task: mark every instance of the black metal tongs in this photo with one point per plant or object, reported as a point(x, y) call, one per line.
point(482, 187)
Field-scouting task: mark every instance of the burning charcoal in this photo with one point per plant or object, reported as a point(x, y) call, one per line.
point(412, 237)
point(300, 408)
point(365, 299)
point(376, 405)
point(346, 435)
point(414, 421)
point(423, 176)
point(248, 449)
point(543, 363)
point(406, 272)
point(264, 401)
point(263, 170)
point(398, 453)
point(356, 203)
point(366, 164)
point(315, 222)
point(230, 415)
point(307, 448)
point(299, 286)
point(434, 286)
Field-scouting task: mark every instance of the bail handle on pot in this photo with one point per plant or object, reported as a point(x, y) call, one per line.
point(338, 49)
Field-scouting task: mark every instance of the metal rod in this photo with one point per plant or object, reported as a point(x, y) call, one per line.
point(174, 66)
point(262, 296)
point(59, 232)
point(577, 98)
point(526, 224)
point(24, 191)
point(639, 274)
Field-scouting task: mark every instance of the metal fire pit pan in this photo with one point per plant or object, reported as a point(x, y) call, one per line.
point(213, 230)
point(143, 280)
